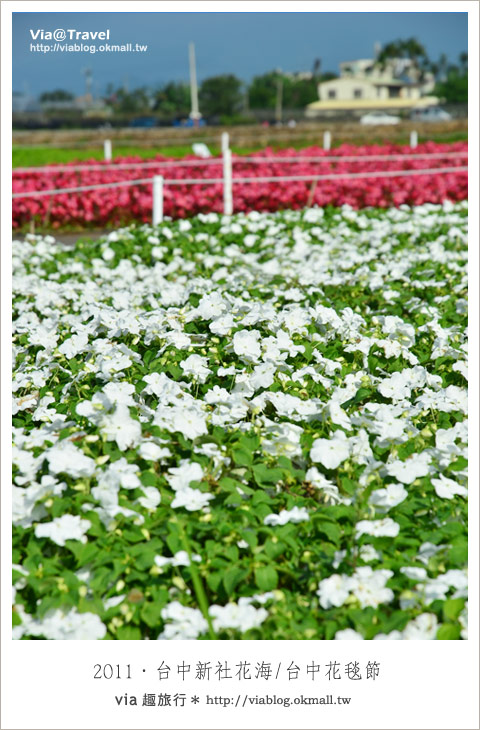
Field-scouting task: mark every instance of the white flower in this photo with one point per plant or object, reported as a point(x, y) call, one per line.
point(66, 527)
point(120, 474)
point(180, 558)
point(348, 635)
point(66, 626)
point(329, 490)
point(462, 368)
point(263, 375)
point(185, 622)
point(108, 254)
point(394, 387)
point(338, 415)
point(427, 550)
point(294, 515)
point(330, 452)
point(447, 488)
point(377, 528)
point(407, 471)
point(368, 586)
point(217, 395)
point(367, 553)
point(184, 419)
point(414, 573)
point(180, 477)
point(120, 393)
point(423, 627)
point(109, 603)
point(246, 345)
point(191, 499)
point(334, 591)
point(152, 498)
point(222, 325)
point(241, 616)
point(210, 306)
point(66, 458)
point(121, 427)
point(385, 499)
point(282, 439)
point(74, 345)
point(150, 451)
point(163, 387)
point(196, 365)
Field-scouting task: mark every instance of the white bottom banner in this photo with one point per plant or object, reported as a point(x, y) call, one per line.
point(189, 684)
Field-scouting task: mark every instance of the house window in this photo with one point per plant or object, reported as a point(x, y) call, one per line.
point(393, 92)
point(332, 94)
point(357, 93)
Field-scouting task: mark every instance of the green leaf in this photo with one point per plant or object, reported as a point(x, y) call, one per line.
point(266, 578)
point(149, 355)
point(330, 529)
point(242, 457)
point(274, 549)
point(213, 581)
point(149, 479)
point(448, 632)
point(264, 475)
point(348, 486)
point(232, 578)
point(129, 633)
point(452, 608)
point(150, 613)
point(458, 554)
point(458, 464)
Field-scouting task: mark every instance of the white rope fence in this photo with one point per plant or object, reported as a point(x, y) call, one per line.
point(81, 188)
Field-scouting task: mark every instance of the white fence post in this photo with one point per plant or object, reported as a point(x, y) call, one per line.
point(225, 142)
point(413, 139)
point(327, 140)
point(227, 182)
point(157, 207)
point(107, 150)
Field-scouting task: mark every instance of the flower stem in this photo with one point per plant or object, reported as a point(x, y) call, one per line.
point(197, 583)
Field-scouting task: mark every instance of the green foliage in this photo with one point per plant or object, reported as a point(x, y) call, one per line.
point(220, 95)
point(296, 93)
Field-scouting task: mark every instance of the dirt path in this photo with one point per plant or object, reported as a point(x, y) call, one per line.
point(69, 238)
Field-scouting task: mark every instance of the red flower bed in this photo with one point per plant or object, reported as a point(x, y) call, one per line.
point(114, 206)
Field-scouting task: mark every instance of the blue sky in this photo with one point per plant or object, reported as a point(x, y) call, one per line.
point(245, 44)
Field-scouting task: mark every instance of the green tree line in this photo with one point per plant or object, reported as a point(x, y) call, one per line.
point(226, 96)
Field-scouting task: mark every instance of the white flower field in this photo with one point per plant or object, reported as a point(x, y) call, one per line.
point(247, 427)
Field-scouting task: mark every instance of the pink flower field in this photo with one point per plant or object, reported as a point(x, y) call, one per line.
point(119, 205)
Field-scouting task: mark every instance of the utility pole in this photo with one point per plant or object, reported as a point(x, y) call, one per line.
point(194, 114)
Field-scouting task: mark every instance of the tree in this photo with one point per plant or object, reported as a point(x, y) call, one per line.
point(463, 58)
point(297, 93)
point(262, 92)
point(173, 99)
point(57, 95)
point(453, 86)
point(220, 95)
point(409, 48)
point(132, 102)
point(300, 92)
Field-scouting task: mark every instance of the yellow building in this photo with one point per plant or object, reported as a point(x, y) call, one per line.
point(364, 85)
